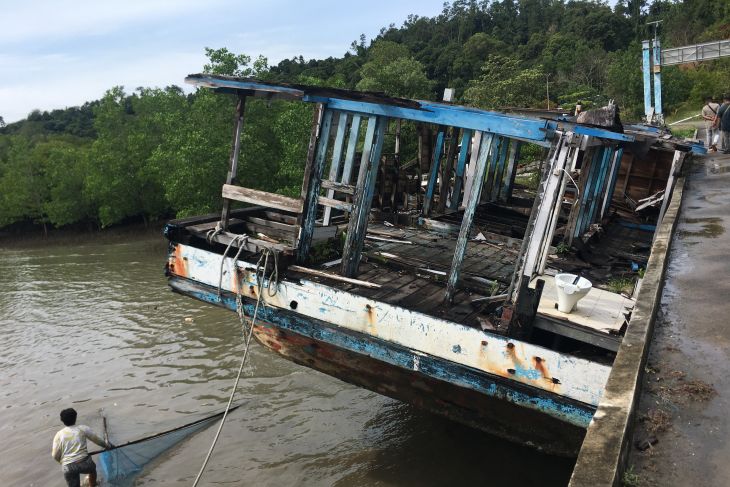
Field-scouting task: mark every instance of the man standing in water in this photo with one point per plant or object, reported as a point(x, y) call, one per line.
point(69, 449)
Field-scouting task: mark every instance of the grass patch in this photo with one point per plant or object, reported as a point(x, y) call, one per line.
point(631, 478)
point(562, 248)
point(620, 285)
point(530, 180)
point(686, 133)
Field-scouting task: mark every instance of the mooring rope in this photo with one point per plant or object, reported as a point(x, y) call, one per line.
point(248, 333)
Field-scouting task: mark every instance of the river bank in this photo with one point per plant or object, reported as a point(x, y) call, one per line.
point(26, 235)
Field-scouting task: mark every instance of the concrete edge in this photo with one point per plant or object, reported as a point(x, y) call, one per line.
point(602, 458)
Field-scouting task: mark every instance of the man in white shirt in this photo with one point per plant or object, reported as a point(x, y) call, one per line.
point(709, 112)
point(69, 449)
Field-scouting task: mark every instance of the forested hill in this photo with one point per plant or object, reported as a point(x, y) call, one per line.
point(160, 152)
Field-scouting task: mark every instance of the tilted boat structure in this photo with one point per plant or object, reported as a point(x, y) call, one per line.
point(430, 280)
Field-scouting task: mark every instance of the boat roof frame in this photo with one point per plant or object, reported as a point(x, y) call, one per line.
point(537, 130)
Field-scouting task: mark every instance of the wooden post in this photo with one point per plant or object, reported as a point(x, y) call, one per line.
point(600, 182)
point(493, 158)
point(446, 168)
point(499, 173)
point(434, 172)
point(313, 181)
point(611, 185)
point(511, 170)
point(336, 160)
point(396, 162)
point(675, 171)
point(460, 166)
point(357, 226)
point(469, 210)
point(233, 165)
point(468, 179)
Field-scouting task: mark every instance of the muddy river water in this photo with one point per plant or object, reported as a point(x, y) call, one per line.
point(94, 326)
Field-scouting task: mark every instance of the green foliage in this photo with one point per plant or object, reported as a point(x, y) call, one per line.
point(392, 70)
point(562, 248)
point(159, 152)
point(504, 83)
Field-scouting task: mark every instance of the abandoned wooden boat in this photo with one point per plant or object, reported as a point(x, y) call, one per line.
point(439, 296)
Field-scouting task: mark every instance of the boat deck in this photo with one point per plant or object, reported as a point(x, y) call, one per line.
point(411, 266)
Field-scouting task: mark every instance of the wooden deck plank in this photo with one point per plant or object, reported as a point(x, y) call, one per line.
point(600, 310)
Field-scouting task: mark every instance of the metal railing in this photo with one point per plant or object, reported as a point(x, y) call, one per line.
point(695, 53)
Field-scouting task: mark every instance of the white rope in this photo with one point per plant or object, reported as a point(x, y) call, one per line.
point(260, 277)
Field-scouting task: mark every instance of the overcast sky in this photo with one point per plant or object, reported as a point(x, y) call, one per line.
point(59, 53)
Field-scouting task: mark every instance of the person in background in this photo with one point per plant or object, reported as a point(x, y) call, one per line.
point(69, 449)
point(578, 108)
point(723, 115)
point(709, 114)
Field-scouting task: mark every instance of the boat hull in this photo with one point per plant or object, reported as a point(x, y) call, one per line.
point(427, 382)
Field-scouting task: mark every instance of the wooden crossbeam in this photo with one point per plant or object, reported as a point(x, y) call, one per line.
point(336, 187)
point(263, 198)
point(333, 203)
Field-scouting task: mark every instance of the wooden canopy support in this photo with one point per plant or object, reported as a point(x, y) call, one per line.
point(357, 226)
point(233, 164)
point(434, 171)
point(337, 152)
point(477, 183)
point(508, 181)
point(460, 167)
point(316, 154)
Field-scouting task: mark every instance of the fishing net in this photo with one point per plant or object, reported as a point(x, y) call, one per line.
point(120, 465)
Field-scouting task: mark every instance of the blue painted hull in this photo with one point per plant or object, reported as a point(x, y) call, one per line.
point(490, 403)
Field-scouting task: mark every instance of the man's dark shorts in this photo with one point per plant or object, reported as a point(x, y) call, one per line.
point(72, 472)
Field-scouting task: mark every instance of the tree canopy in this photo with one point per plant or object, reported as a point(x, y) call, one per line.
point(157, 152)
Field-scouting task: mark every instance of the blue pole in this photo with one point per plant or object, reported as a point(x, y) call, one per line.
point(646, 65)
point(657, 69)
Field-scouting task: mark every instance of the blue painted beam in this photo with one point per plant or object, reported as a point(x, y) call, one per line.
point(646, 76)
point(611, 187)
point(363, 198)
point(460, 166)
point(313, 184)
point(528, 129)
point(586, 193)
point(600, 183)
point(470, 207)
point(453, 116)
point(434, 172)
point(602, 134)
point(657, 69)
